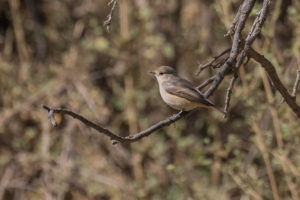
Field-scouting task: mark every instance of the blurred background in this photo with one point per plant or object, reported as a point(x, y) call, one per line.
point(59, 53)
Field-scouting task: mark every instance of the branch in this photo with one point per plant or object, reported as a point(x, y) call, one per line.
point(114, 137)
point(271, 71)
point(210, 63)
point(228, 65)
point(296, 84)
point(229, 91)
point(295, 87)
point(205, 83)
point(234, 22)
point(254, 31)
point(107, 22)
point(236, 28)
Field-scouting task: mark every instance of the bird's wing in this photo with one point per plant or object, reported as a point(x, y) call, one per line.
point(184, 89)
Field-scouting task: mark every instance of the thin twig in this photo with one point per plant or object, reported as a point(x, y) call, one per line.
point(271, 71)
point(296, 84)
point(228, 94)
point(254, 31)
point(114, 137)
point(210, 63)
point(219, 64)
point(205, 83)
point(228, 65)
point(295, 87)
point(232, 28)
point(113, 4)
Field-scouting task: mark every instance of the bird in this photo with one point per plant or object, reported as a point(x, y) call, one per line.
point(179, 93)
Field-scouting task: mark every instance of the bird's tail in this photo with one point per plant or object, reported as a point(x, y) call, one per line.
point(219, 110)
point(212, 106)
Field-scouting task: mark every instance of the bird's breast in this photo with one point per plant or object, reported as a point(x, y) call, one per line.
point(177, 102)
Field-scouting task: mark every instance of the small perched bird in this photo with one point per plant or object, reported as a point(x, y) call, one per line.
point(179, 93)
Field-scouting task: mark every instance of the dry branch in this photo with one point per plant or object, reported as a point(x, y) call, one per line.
point(271, 71)
point(228, 65)
point(210, 63)
point(296, 84)
point(229, 91)
point(113, 136)
point(107, 22)
point(206, 83)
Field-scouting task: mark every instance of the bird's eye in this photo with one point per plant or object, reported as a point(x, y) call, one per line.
point(160, 73)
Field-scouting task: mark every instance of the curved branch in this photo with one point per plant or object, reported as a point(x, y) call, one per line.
point(271, 71)
point(113, 136)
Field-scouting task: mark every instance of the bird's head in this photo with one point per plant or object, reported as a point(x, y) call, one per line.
point(163, 71)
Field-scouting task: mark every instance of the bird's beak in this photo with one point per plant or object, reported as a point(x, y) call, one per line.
point(152, 72)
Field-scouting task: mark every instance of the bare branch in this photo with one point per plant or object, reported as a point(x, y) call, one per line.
point(254, 31)
point(113, 4)
point(228, 65)
point(237, 27)
point(232, 28)
point(296, 84)
point(210, 63)
point(271, 71)
point(205, 83)
point(219, 64)
point(114, 137)
point(229, 91)
point(295, 87)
